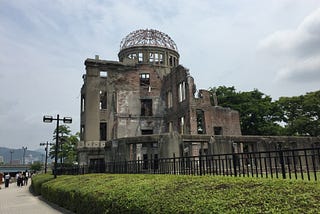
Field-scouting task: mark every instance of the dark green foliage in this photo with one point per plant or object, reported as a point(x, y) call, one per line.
point(259, 115)
point(104, 193)
point(67, 145)
point(301, 114)
point(36, 166)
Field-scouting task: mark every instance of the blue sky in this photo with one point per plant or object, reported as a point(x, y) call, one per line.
point(271, 45)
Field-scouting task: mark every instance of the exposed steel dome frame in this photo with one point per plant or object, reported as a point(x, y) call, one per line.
point(148, 37)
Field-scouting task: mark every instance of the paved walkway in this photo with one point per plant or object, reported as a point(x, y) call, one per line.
point(16, 200)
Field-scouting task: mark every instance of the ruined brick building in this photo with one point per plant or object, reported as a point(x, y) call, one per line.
point(146, 105)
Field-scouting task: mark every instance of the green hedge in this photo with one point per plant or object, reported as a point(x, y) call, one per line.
point(38, 180)
point(104, 193)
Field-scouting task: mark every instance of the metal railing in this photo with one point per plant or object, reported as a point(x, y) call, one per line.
point(292, 164)
point(287, 164)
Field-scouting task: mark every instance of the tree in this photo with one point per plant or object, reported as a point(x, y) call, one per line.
point(301, 114)
point(67, 145)
point(258, 114)
point(36, 166)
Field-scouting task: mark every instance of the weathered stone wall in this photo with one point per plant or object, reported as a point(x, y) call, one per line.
point(227, 119)
point(194, 145)
point(178, 109)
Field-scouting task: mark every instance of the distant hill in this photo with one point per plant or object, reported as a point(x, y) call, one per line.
point(17, 155)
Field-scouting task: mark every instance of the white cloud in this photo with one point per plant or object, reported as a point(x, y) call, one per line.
point(297, 49)
point(306, 70)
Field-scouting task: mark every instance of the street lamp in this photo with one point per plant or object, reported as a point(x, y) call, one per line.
point(11, 151)
point(46, 149)
point(24, 154)
point(49, 119)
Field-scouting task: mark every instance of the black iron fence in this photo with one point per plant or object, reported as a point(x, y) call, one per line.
point(292, 164)
point(287, 164)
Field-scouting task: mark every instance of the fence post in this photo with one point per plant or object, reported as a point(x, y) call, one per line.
point(174, 163)
point(235, 162)
point(200, 163)
point(283, 169)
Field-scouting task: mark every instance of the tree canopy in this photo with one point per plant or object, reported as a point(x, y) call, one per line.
point(259, 115)
point(67, 145)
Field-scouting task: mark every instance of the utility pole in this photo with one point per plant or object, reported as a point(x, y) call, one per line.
point(46, 149)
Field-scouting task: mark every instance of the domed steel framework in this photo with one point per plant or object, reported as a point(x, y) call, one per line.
point(148, 37)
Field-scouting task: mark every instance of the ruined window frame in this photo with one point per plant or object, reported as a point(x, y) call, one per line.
point(217, 130)
point(161, 58)
point(133, 56)
point(170, 126)
point(201, 123)
point(169, 99)
point(115, 101)
point(170, 60)
point(182, 125)
point(104, 74)
point(146, 131)
point(144, 79)
point(182, 91)
point(103, 131)
point(151, 57)
point(82, 131)
point(146, 107)
point(83, 100)
point(103, 100)
point(140, 57)
point(156, 58)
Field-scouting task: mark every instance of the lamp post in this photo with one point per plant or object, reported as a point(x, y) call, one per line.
point(24, 154)
point(61, 142)
point(49, 119)
point(46, 149)
point(11, 151)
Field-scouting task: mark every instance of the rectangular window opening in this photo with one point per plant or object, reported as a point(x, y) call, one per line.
point(217, 130)
point(144, 79)
point(146, 107)
point(200, 121)
point(132, 56)
point(182, 91)
point(82, 103)
point(146, 131)
point(103, 100)
point(82, 130)
point(103, 131)
point(161, 58)
point(140, 57)
point(170, 126)
point(169, 99)
point(181, 125)
point(156, 58)
point(151, 57)
point(103, 74)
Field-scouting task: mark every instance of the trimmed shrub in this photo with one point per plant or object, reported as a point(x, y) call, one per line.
point(105, 193)
point(38, 180)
